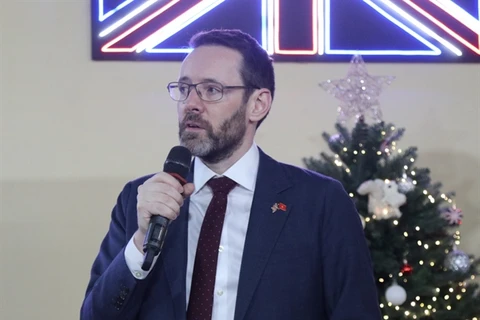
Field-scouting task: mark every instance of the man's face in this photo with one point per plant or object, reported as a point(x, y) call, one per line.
point(212, 130)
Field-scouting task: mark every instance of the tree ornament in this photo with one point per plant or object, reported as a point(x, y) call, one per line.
point(453, 215)
point(358, 92)
point(396, 294)
point(406, 268)
point(405, 184)
point(384, 199)
point(457, 261)
point(362, 219)
point(336, 138)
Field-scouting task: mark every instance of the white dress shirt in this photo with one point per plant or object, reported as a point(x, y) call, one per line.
point(244, 173)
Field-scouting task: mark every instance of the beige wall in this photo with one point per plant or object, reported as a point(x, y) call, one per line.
point(74, 131)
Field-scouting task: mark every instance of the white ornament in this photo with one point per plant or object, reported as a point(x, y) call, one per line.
point(363, 221)
point(384, 199)
point(453, 215)
point(396, 295)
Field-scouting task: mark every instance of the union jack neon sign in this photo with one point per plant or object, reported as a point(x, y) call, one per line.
point(293, 30)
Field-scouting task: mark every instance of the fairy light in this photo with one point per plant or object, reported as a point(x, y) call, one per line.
point(420, 262)
point(434, 299)
point(345, 149)
point(413, 304)
point(397, 308)
point(382, 305)
point(405, 167)
point(449, 308)
point(425, 192)
point(355, 152)
point(385, 317)
point(419, 243)
point(459, 297)
point(414, 316)
point(417, 228)
point(379, 153)
point(437, 289)
point(407, 313)
point(417, 298)
point(425, 246)
point(432, 264)
point(351, 195)
point(427, 312)
point(405, 234)
point(367, 219)
point(395, 222)
point(381, 280)
point(363, 151)
point(429, 307)
point(451, 289)
point(446, 297)
point(412, 173)
point(464, 290)
point(437, 243)
point(347, 170)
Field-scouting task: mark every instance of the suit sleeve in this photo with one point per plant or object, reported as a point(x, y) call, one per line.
point(113, 292)
point(350, 288)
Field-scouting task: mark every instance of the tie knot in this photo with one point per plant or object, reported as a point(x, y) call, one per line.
point(221, 185)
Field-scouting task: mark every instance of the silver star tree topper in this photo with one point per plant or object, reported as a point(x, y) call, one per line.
point(358, 92)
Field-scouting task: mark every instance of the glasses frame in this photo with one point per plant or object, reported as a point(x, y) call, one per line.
point(194, 85)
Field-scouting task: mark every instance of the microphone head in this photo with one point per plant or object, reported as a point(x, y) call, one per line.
point(178, 161)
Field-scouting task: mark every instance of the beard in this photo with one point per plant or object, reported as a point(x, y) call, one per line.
point(211, 145)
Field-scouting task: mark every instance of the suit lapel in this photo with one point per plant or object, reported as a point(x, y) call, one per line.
point(264, 227)
point(174, 257)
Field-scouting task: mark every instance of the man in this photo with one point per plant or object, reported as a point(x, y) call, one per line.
point(290, 244)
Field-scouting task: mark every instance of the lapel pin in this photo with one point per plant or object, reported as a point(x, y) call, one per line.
point(279, 206)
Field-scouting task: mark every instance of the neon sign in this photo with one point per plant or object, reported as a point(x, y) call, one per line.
point(307, 30)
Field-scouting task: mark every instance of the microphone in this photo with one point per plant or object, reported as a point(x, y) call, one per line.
point(178, 165)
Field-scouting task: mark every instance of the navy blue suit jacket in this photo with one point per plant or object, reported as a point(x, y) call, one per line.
point(310, 261)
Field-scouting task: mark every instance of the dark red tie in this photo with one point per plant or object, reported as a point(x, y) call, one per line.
point(203, 279)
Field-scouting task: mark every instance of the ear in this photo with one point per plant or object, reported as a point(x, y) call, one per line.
point(261, 102)
point(365, 187)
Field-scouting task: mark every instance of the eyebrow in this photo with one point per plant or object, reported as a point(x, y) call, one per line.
point(187, 79)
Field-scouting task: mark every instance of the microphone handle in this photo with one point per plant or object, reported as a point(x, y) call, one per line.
point(153, 243)
point(156, 232)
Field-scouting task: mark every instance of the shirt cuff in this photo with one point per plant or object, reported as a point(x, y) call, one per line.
point(134, 259)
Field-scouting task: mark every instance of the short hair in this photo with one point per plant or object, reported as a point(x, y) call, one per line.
point(257, 66)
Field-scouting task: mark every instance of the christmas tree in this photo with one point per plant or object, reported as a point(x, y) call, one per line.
point(410, 225)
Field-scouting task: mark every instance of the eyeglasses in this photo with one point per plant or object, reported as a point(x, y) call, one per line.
point(207, 91)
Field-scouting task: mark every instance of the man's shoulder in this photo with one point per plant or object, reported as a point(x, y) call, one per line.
point(307, 175)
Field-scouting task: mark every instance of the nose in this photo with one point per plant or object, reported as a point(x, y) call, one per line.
point(193, 101)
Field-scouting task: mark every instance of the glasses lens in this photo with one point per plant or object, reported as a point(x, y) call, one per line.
point(210, 91)
point(178, 91)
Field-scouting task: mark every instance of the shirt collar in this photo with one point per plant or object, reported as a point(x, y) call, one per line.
point(243, 172)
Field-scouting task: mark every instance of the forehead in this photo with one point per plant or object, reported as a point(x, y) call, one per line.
point(212, 62)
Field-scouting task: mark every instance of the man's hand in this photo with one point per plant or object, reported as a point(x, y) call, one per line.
point(160, 195)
